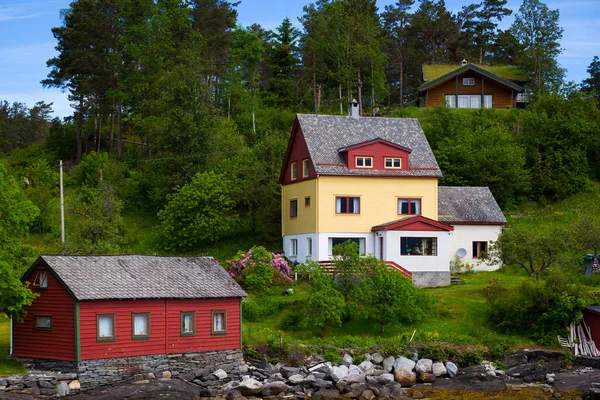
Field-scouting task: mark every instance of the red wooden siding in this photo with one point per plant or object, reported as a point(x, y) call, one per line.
point(297, 152)
point(379, 151)
point(56, 302)
point(165, 334)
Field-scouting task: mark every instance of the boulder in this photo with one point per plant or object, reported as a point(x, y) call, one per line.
point(404, 364)
point(388, 364)
point(367, 367)
point(220, 374)
point(296, 379)
point(310, 379)
point(376, 358)
point(74, 385)
point(265, 365)
point(45, 384)
point(250, 387)
point(234, 395)
point(386, 378)
point(367, 395)
point(438, 369)
point(452, 369)
point(62, 389)
point(338, 373)
point(277, 387)
point(354, 378)
point(167, 375)
point(326, 394)
point(322, 367)
point(286, 372)
point(425, 377)
point(322, 384)
point(354, 370)
point(347, 360)
point(424, 365)
point(405, 378)
point(368, 357)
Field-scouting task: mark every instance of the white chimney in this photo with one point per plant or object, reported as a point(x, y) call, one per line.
point(353, 109)
point(464, 62)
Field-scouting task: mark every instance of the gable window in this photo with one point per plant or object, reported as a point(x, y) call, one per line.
point(468, 81)
point(409, 206)
point(307, 201)
point(309, 249)
point(41, 280)
point(305, 168)
point(293, 208)
point(418, 246)
point(219, 322)
point(42, 322)
point(393, 162)
point(188, 323)
point(140, 325)
point(479, 249)
point(293, 171)
point(364, 162)
point(347, 205)
point(293, 247)
point(105, 328)
point(338, 240)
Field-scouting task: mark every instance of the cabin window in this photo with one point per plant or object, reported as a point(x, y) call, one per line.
point(41, 280)
point(347, 205)
point(188, 323)
point(337, 241)
point(140, 325)
point(307, 201)
point(418, 246)
point(451, 100)
point(364, 162)
point(42, 322)
point(393, 163)
point(479, 249)
point(294, 171)
point(309, 249)
point(488, 101)
point(105, 328)
point(409, 206)
point(293, 208)
point(293, 247)
point(468, 81)
point(219, 322)
point(305, 168)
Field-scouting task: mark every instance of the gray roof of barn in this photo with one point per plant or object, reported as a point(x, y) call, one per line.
point(142, 277)
point(468, 205)
point(326, 134)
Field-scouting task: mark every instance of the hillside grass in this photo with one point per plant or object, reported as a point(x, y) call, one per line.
point(7, 366)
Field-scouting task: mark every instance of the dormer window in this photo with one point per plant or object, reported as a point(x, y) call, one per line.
point(468, 81)
point(293, 171)
point(393, 162)
point(364, 162)
point(41, 280)
point(305, 168)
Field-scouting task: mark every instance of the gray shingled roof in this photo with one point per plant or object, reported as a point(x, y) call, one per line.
point(143, 277)
point(325, 134)
point(468, 205)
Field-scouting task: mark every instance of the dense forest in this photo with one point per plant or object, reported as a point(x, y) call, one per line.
point(181, 116)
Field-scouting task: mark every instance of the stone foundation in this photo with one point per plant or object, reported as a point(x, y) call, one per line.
point(107, 371)
point(431, 278)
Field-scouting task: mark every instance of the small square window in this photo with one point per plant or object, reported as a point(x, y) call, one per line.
point(409, 206)
point(219, 322)
point(307, 201)
point(305, 168)
point(347, 205)
point(42, 322)
point(41, 280)
point(293, 208)
point(293, 171)
point(468, 81)
point(140, 326)
point(479, 249)
point(364, 162)
point(188, 323)
point(393, 163)
point(105, 328)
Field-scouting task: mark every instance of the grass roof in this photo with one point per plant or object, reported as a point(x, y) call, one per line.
point(434, 71)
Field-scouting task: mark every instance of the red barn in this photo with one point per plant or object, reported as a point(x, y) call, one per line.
point(104, 307)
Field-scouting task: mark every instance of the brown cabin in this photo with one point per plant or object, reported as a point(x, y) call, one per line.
point(471, 86)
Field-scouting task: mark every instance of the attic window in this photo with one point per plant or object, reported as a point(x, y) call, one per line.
point(364, 162)
point(293, 171)
point(41, 280)
point(468, 81)
point(393, 163)
point(305, 168)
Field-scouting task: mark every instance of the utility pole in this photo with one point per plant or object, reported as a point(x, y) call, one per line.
point(62, 206)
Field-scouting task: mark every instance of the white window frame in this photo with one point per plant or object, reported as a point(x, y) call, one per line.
point(294, 171)
point(309, 247)
point(409, 201)
point(354, 200)
point(450, 100)
point(293, 247)
point(362, 244)
point(305, 170)
point(468, 81)
point(41, 280)
point(408, 252)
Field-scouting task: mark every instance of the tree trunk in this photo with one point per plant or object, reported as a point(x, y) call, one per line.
point(382, 329)
point(80, 129)
point(341, 101)
point(119, 132)
point(253, 117)
point(316, 108)
point(372, 90)
point(360, 103)
point(100, 127)
point(112, 126)
point(401, 76)
point(480, 55)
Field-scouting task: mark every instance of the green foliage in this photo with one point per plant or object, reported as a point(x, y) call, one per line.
point(198, 212)
point(325, 303)
point(259, 308)
point(259, 276)
point(14, 295)
point(349, 268)
point(494, 292)
point(43, 192)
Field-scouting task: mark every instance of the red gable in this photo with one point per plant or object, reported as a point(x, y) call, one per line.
point(416, 223)
point(297, 151)
point(378, 150)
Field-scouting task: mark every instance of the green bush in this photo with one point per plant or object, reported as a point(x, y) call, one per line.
point(291, 321)
point(259, 308)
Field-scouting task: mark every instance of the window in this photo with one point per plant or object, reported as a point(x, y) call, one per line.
point(488, 101)
point(364, 162)
point(468, 81)
point(347, 205)
point(293, 208)
point(409, 206)
point(391, 162)
point(337, 241)
point(293, 171)
point(309, 247)
point(219, 322)
point(469, 101)
point(418, 246)
point(188, 323)
point(305, 168)
point(140, 325)
point(41, 280)
point(307, 201)
point(451, 101)
point(42, 322)
point(479, 249)
point(105, 328)
point(293, 247)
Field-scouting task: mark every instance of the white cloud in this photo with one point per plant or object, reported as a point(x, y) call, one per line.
point(11, 13)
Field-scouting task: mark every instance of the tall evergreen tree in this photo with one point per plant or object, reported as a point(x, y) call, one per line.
point(283, 63)
point(592, 84)
point(435, 32)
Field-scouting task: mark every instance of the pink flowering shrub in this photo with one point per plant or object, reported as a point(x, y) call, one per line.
point(258, 269)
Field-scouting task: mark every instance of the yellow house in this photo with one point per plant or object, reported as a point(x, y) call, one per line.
point(373, 181)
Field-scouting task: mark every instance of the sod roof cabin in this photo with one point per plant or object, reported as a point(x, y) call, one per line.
point(473, 86)
point(92, 307)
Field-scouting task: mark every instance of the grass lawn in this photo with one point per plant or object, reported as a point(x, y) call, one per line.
point(7, 366)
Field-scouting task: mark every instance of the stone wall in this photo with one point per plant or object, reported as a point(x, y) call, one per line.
point(431, 278)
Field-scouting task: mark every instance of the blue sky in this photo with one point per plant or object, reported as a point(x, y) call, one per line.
point(26, 42)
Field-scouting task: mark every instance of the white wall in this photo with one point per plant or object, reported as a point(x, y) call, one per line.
point(322, 245)
point(464, 236)
point(302, 247)
point(391, 252)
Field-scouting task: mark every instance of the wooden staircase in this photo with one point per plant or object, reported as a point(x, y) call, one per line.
point(330, 269)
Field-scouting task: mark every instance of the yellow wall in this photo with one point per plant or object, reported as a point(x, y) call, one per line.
point(378, 200)
point(306, 221)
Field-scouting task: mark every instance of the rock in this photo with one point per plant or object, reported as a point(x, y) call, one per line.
point(151, 376)
point(167, 375)
point(367, 367)
point(234, 395)
point(556, 395)
point(404, 364)
point(591, 394)
point(376, 358)
point(424, 365)
point(277, 387)
point(62, 389)
point(322, 367)
point(138, 377)
point(208, 392)
point(142, 382)
point(367, 395)
point(338, 373)
point(405, 378)
point(491, 373)
point(386, 378)
point(368, 357)
point(286, 372)
point(550, 378)
point(417, 395)
point(388, 364)
point(74, 385)
point(438, 369)
point(322, 384)
point(277, 368)
point(326, 394)
point(250, 387)
point(3, 382)
point(354, 378)
point(347, 360)
point(452, 369)
point(296, 379)
point(46, 384)
point(309, 380)
point(354, 370)
point(48, 392)
point(265, 365)
point(220, 374)
point(242, 369)
point(425, 377)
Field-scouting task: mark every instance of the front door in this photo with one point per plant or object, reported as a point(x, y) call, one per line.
point(381, 248)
